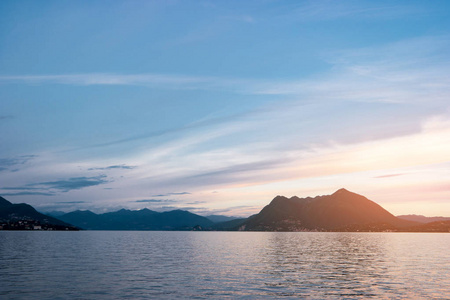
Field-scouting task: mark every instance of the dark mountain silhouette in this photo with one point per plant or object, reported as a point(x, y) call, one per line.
point(10, 213)
point(220, 218)
point(4, 202)
point(84, 219)
point(342, 211)
point(422, 219)
point(143, 219)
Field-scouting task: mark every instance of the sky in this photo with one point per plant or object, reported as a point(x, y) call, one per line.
point(216, 107)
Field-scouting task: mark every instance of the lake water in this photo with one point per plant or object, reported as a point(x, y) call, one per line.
point(149, 264)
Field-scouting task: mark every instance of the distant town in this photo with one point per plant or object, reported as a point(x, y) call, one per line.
point(32, 225)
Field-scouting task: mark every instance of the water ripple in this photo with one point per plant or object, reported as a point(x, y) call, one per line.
point(203, 265)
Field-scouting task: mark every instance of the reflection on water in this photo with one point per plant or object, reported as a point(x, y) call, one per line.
point(337, 264)
point(89, 264)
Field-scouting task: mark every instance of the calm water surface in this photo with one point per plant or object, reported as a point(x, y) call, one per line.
point(146, 264)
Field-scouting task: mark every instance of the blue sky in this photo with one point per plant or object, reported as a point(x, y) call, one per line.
point(219, 106)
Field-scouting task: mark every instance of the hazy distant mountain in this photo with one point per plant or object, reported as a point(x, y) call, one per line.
point(84, 219)
point(341, 211)
point(231, 225)
point(143, 219)
point(18, 212)
point(53, 213)
point(220, 218)
point(437, 226)
point(422, 219)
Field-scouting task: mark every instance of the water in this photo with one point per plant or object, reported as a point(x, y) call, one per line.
point(146, 264)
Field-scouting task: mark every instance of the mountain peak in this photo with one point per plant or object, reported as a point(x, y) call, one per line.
point(339, 211)
point(4, 202)
point(341, 191)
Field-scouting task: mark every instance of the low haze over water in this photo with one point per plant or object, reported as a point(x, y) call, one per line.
point(141, 265)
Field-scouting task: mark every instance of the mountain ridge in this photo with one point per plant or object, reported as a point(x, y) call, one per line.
point(423, 219)
point(341, 211)
point(15, 215)
point(322, 213)
point(144, 219)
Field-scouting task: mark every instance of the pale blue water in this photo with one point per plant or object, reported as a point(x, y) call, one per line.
point(173, 265)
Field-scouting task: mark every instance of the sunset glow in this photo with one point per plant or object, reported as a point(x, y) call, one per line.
point(218, 107)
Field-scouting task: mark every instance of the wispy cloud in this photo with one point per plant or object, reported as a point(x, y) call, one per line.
point(171, 194)
point(196, 202)
point(125, 167)
point(403, 72)
point(28, 194)
point(219, 171)
point(243, 173)
point(331, 10)
point(74, 183)
point(388, 175)
point(50, 188)
point(203, 123)
point(151, 80)
point(14, 163)
point(410, 71)
point(154, 201)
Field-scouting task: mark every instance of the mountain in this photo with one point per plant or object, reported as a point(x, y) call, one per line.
point(341, 211)
point(143, 219)
point(422, 219)
point(437, 226)
point(53, 213)
point(17, 213)
point(84, 219)
point(220, 218)
point(4, 202)
point(231, 225)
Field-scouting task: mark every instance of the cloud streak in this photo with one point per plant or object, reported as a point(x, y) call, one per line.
point(150, 80)
point(319, 11)
point(407, 71)
point(50, 188)
point(124, 167)
point(28, 194)
point(154, 201)
point(172, 194)
point(388, 175)
point(14, 163)
point(74, 183)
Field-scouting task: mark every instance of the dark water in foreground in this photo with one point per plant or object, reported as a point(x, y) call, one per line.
point(143, 265)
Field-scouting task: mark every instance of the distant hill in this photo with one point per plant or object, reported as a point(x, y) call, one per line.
point(53, 213)
point(15, 213)
point(437, 226)
point(231, 225)
point(220, 218)
point(422, 219)
point(341, 211)
point(143, 219)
